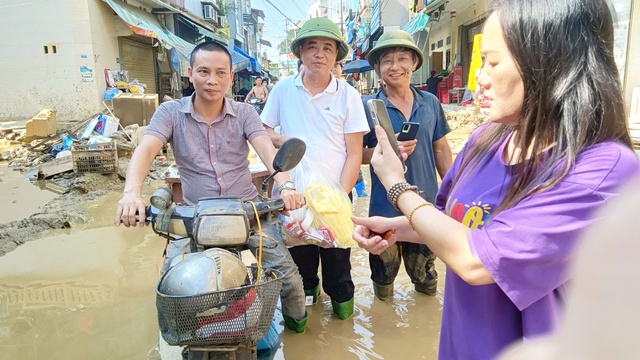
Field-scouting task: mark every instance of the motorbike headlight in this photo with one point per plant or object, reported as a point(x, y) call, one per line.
point(221, 221)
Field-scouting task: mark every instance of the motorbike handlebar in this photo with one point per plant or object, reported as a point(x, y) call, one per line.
point(267, 210)
point(189, 211)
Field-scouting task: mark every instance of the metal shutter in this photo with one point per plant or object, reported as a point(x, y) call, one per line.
point(138, 58)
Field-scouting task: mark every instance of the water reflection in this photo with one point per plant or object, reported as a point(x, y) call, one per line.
point(20, 198)
point(409, 324)
point(89, 294)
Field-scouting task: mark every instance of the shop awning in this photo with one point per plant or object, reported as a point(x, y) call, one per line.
point(254, 65)
point(265, 42)
point(240, 62)
point(146, 24)
point(205, 32)
point(418, 23)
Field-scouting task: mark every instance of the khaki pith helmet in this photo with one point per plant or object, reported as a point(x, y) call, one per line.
point(394, 39)
point(320, 27)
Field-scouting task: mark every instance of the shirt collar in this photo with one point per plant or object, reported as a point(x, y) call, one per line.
point(418, 98)
point(331, 88)
point(187, 107)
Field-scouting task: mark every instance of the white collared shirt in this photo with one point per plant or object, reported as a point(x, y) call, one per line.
point(321, 120)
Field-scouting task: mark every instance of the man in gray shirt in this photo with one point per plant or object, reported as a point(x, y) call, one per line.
point(208, 134)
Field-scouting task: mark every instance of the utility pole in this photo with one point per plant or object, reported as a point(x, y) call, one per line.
point(231, 18)
point(341, 20)
point(286, 44)
point(286, 35)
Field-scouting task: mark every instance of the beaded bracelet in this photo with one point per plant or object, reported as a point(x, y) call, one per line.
point(394, 192)
point(413, 211)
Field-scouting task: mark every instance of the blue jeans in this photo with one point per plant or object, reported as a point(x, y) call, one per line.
point(275, 255)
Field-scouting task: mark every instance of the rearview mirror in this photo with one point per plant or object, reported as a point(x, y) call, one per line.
point(287, 157)
point(289, 154)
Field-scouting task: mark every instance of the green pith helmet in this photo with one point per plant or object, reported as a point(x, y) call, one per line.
point(394, 39)
point(320, 27)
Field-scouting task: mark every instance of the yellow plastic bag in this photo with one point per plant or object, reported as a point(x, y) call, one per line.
point(332, 212)
point(326, 219)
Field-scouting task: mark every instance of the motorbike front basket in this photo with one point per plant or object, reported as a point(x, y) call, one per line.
point(230, 316)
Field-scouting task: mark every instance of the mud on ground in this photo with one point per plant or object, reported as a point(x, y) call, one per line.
point(62, 212)
point(66, 211)
point(463, 123)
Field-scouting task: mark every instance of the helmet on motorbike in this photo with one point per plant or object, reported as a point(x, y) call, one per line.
point(212, 270)
point(394, 39)
point(320, 27)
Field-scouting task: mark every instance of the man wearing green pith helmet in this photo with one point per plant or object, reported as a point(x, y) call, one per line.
point(394, 58)
point(326, 113)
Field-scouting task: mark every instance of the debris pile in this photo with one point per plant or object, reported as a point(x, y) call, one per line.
point(51, 158)
point(463, 123)
point(52, 155)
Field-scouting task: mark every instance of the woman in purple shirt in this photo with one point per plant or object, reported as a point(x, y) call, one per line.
point(517, 198)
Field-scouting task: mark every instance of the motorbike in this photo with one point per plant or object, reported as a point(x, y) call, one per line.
point(257, 104)
point(210, 303)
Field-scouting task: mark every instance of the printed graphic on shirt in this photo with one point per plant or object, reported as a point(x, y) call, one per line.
point(474, 215)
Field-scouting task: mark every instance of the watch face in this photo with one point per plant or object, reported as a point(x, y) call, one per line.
point(288, 186)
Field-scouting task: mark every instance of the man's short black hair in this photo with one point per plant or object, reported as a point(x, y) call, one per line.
point(213, 46)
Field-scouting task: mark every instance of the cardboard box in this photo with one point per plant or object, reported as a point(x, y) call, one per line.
point(135, 108)
point(42, 125)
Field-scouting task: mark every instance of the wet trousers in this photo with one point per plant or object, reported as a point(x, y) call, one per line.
point(336, 270)
point(418, 261)
point(275, 255)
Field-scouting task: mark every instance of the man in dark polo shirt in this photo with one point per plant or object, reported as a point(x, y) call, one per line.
point(394, 58)
point(208, 134)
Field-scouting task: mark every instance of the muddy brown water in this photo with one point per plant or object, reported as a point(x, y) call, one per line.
point(19, 198)
point(88, 293)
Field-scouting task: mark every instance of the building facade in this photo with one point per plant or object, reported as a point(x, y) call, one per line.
point(454, 23)
point(64, 54)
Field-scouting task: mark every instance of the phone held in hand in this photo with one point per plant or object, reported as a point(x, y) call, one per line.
point(409, 131)
point(380, 116)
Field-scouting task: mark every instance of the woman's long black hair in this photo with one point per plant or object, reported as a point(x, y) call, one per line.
point(572, 91)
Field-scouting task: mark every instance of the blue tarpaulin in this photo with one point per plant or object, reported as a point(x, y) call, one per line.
point(418, 23)
point(254, 65)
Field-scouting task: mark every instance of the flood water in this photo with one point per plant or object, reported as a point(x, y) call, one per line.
point(20, 198)
point(89, 294)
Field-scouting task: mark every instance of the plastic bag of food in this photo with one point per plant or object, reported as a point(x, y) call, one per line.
point(325, 220)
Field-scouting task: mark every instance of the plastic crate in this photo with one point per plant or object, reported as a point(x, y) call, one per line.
point(95, 158)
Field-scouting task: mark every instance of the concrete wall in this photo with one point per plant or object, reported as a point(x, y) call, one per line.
point(467, 12)
point(194, 6)
point(439, 33)
point(67, 80)
point(104, 44)
point(395, 13)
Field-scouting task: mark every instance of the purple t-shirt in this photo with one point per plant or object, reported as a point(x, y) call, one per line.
point(212, 159)
point(526, 248)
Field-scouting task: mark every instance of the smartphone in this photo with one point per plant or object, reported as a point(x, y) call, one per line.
point(409, 131)
point(380, 116)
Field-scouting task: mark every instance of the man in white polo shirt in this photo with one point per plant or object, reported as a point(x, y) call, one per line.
point(327, 114)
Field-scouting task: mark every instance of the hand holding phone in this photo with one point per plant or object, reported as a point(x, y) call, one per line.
point(380, 116)
point(409, 131)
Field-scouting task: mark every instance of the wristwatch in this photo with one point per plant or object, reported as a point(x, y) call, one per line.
point(287, 185)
